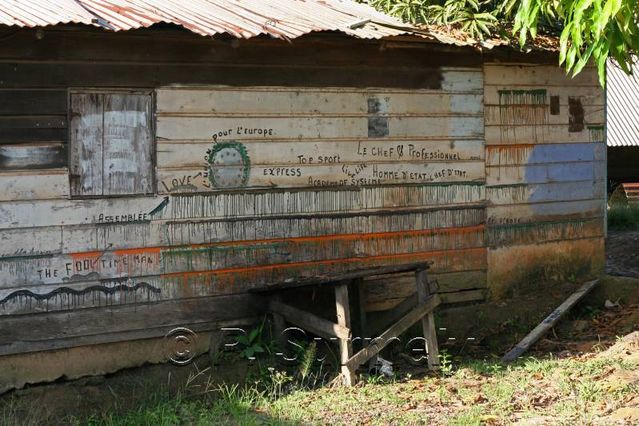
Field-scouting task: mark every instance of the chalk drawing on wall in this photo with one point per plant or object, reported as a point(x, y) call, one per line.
point(229, 165)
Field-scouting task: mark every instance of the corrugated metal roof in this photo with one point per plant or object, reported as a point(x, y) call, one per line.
point(622, 107)
point(240, 18)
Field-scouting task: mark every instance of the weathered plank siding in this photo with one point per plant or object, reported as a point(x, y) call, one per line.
point(271, 161)
point(545, 173)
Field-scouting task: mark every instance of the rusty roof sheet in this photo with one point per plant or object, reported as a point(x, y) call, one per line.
point(285, 19)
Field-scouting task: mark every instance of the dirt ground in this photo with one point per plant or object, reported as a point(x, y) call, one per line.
point(622, 253)
point(591, 328)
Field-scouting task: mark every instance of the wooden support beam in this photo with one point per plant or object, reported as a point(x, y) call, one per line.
point(342, 309)
point(309, 322)
point(548, 322)
point(380, 320)
point(393, 332)
point(424, 291)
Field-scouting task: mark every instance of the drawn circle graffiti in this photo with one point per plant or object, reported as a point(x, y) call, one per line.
point(229, 165)
point(180, 345)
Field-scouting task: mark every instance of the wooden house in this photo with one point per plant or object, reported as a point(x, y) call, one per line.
point(159, 163)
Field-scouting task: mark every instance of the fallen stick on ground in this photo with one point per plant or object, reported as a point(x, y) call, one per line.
point(548, 322)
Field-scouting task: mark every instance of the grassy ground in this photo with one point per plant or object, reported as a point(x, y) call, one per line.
point(580, 373)
point(595, 388)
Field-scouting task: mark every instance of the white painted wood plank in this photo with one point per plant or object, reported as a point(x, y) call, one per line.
point(84, 238)
point(354, 174)
point(278, 101)
point(193, 153)
point(462, 80)
point(221, 128)
point(34, 185)
point(19, 242)
point(233, 204)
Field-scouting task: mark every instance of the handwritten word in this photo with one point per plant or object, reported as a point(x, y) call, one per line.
point(126, 217)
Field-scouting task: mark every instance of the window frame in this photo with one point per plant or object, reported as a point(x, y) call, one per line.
point(152, 126)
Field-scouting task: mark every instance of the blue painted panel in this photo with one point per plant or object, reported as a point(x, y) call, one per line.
point(558, 172)
point(560, 153)
point(564, 191)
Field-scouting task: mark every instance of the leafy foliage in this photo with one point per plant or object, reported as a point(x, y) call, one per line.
point(588, 29)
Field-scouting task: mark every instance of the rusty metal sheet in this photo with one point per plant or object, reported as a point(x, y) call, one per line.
point(286, 19)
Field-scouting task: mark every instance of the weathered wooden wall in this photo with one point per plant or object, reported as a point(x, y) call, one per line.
point(399, 133)
point(545, 174)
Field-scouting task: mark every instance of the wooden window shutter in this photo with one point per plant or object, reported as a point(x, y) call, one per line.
point(111, 144)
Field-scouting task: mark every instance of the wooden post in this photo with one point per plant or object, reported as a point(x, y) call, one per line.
point(279, 325)
point(424, 291)
point(344, 319)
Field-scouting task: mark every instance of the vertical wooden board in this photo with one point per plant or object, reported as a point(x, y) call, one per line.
point(127, 144)
point(85, 166)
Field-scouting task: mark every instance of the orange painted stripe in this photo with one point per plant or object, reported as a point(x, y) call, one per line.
point(389, 258)
point(295, 240)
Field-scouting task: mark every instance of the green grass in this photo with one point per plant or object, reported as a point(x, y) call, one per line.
point(623, 216)
point(567, 391)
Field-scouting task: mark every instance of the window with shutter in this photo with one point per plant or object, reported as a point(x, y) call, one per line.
point(111, 143)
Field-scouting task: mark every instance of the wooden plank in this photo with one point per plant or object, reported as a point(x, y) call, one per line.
point(503, 115)
point(384, 292)
point(296, 128)
point(589, 95)
point(535, 75)
point(537, 212)
point(22, 185)
point(462, 80)
point(190, 153)
point(309, 322)
point(544, 192)
point(45, 155)
point(549, 321)
point(343, 313)
point(91, 291)
point(161, 234)
point(29, 333)
point(33, 102)
point(127, 144)
point(545, 173)
point(58, 74)
point(539, 134)
point(86, 165)
point(236, 175)
point(391, 309)
point(541, 232)
point(425, 290)
point(200, 209)
point(153, 261)
point(25, 242)
point(214, 101)
point(393, 332)
point(504, 155)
